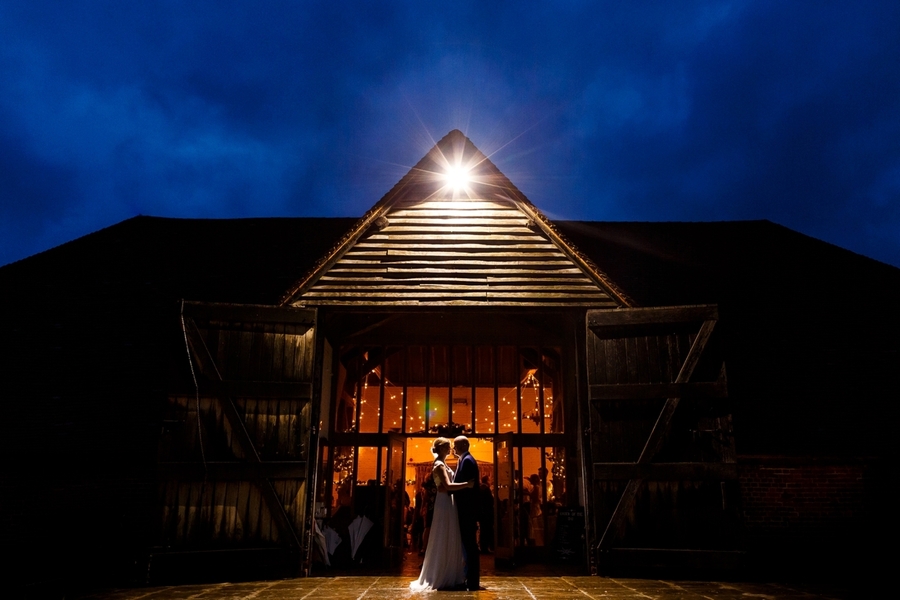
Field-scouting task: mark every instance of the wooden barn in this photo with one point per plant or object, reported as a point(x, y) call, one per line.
point(218, 399)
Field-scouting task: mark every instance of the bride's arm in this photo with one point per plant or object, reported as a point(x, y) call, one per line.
point(449, 485)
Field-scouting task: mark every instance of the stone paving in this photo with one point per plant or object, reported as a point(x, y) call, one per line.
point(497, 588)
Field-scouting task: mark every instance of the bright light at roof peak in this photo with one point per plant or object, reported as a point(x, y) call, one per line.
point(457, 176)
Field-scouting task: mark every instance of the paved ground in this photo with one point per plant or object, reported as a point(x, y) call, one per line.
point(497, 588)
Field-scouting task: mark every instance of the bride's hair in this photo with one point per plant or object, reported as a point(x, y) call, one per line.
point(439, 443)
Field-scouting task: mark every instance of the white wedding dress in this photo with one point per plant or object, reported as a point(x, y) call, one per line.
point(444, 566)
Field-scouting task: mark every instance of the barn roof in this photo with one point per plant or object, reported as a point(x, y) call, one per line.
point(258, 260)
point(430, 243)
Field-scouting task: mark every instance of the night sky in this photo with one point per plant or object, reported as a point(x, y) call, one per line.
point(657, 111)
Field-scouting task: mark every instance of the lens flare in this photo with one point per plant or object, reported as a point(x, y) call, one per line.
point(457, 177)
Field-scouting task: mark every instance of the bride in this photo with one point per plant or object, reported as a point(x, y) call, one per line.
point(443, 567)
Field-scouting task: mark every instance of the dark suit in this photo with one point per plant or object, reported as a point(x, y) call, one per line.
point(467, 507)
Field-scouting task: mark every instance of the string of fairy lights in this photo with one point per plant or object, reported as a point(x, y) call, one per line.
point(431, 404)
point(418, 414)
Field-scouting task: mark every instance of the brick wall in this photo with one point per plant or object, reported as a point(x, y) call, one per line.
point(823, 505)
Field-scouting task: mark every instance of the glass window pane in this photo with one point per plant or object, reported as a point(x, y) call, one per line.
point(508, 379)
point(415, 391)
point(553, 410)
point(532, 411)
point(415, 409)
point(367, 466)
point(370, 398)
point(507, 411)
point(556, 484)
point(462, 406)
point(484, 410)
point(438, 406)
point(345, 400)
point(393, 391)
point(342, 477)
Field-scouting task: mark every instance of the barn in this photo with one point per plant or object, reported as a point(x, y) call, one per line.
point(206, 399)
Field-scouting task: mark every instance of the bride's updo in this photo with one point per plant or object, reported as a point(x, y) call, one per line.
point(440, 442)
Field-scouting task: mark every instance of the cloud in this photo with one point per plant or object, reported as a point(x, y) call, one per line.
point(658, 111)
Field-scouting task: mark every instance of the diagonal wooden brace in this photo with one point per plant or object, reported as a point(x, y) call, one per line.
point(240, 433)
point(657, 437)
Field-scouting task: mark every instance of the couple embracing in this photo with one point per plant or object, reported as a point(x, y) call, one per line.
point(451, 557)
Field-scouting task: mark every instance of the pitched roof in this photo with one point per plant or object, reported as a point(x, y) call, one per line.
point(428, 243)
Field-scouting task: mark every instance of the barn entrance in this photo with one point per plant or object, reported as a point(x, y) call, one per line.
point(391, 401)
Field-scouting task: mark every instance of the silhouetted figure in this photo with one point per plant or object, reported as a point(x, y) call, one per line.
point(486, 517)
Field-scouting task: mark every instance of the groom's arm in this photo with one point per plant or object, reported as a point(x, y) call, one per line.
point(472, 470)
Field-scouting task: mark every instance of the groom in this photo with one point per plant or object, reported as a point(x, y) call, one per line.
point(467, 507)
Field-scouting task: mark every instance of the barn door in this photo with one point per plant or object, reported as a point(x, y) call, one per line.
point(661, 444)
point(236, 457)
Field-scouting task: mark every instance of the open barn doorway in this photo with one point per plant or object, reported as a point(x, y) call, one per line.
point(391, 402)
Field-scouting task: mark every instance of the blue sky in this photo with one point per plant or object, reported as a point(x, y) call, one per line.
point(636, 111)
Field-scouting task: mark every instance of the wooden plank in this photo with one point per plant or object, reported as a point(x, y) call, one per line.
point(646, 321)
point(428, 293)
point(657, 436)
point(467, 206)
point(697, 471)
point(457, 228)
point(474, 260)
point(243, 524)
point(232, 470)
point(368, 288)
point(263, 389)
point(455, 237)
point(425, 273)
point(487, 253)
point(201, 353)
point(505, 220)
point(639, 391)
point(439, 302)
point(654, 370)
point(428, 246)
point(244, 443)
point(663, 422)
point(543, 278)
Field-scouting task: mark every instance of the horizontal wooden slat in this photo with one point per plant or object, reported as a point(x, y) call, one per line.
point(365, 287)
point(462, 278)
point(481, 252)
point(430, 246)
point(233, 470)
point(414, 262)
point(511, 220)
point(467, 205)
point(638, 391)
point(461, 237)
point(666, 471)
point(463, 253)
point(661, 314)
point(495, 271)
point(250, 313)
point(450, 302)
point(263, 389)
point(426, 293)
point(457, 228)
